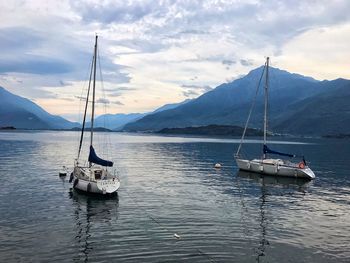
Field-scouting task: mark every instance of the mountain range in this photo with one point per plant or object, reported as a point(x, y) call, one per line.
point(298, 105)
point(22, 113)
point(118, 121)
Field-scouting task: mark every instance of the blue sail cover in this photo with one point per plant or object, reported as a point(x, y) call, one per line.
point(93, 158)
point(268, 150)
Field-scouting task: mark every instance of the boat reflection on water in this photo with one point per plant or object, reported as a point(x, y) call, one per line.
point(91, 213)
point(267, 184)
point(299, 184)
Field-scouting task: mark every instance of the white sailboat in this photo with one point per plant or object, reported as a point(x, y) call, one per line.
point(266, 165)
point(93, 177)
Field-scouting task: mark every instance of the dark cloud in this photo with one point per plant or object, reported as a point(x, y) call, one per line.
point(35, 65)
point(185, 33)
point(193, 32)
point(204, 88)
point(191, 90)
point(67, 99)
point(246, 62)
point(114, 94)
point(118, 91)
point(68, 56)
point(107, 101)
point(64, 83)
point(228, 62)
point(79, 97)
point(19, 39)
point(117, 103)
point(216, 58)
point(190, 86)
point(190, 93)
point(103, 101)
point(125, 88)
point(116, 76)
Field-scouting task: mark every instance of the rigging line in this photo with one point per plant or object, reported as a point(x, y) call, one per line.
point(210, 259)
point(105, 152)
point(250, 112)
point(106, 123)
point(80, 98)
point(86, 106)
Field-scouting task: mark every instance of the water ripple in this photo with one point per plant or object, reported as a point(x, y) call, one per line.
point(169, 186)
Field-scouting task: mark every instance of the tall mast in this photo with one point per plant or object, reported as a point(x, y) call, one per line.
point(266, 100)
point(93, 94)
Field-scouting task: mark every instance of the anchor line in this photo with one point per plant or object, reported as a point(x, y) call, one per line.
point(200, 252)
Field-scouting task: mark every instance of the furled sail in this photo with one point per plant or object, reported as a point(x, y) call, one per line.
point(93, 158)
point(268, 150)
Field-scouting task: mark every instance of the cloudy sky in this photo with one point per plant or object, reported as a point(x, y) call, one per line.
point(157, 52)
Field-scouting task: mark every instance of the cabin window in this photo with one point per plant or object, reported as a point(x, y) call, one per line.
point(98, 175)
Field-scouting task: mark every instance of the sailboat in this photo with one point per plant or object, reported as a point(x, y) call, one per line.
point(93, 177)
point(265, 164)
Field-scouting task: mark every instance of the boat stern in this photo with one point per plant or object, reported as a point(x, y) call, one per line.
point(108, 186)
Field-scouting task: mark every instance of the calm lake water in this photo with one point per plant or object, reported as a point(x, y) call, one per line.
point(169, 186)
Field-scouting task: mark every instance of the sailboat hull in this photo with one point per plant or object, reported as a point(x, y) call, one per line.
point(275, 167)
point(85, 180)
point(95, 188)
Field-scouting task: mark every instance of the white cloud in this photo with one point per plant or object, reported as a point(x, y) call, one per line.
point(152, 48)
point(322, 53)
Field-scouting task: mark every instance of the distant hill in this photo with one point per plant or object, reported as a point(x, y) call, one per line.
point(119, 120)
point(170, 106)
point(327, 113)
point(20, 112)
point(115, 121)
point(229, 103)
point(8, 128)
point(96, 129)
point(212, 130)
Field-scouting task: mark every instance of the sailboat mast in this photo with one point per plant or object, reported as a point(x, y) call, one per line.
point(266, 100)
point(93, 94)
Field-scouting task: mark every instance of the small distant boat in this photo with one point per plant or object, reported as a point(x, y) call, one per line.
point(265, 164)
point(93, 177)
